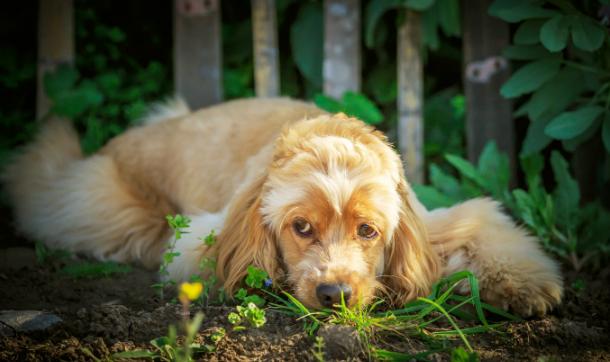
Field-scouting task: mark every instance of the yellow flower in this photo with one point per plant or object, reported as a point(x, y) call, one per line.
point(190, 291)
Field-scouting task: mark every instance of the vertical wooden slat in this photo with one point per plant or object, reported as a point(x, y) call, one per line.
point(488, 114)
point(410, 97)
point(341, 47)
point(197, 52)
point(55, 43)
point(266, 63)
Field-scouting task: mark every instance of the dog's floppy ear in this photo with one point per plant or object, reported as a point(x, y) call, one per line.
point(245, 240)
point(411, 265)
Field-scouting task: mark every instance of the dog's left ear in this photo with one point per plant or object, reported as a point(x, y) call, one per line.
point(411, 265)
point(245, 240)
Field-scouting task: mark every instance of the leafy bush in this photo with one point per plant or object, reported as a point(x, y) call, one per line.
point(579, 235)
point(565, 55)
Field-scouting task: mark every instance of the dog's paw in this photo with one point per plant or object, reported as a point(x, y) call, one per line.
point(530, 297)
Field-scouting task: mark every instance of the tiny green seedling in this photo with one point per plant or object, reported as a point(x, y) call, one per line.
point(178, 224)
point(318, 351)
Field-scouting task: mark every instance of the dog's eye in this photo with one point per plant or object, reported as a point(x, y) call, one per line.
point(366, 231)
point(303, 228)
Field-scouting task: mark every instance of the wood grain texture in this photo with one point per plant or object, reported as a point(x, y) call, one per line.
point(488, 114)
point(341, 67)
point(266, 54)
point(55, 44)
point(410, 97)
point(197, 52)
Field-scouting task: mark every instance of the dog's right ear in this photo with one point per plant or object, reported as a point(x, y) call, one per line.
point(245, 240)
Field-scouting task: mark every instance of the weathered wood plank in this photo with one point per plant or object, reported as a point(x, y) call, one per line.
point(55, 44)
point(488, 114)
point(341, 47)
point(410, 97)
point(197, 52)
point(266, 57)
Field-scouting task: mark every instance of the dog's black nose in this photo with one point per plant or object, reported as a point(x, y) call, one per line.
point(330, 294)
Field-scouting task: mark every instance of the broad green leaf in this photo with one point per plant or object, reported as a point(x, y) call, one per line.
point(374, 11)
point(557, 94)
point(526, 207)
point(467, 169)
point(528, 33)
point(327, 103)
point(525, 52)
point(587, 34)
point(606, 131)
point(73, 102)
point(532, 167)
point(567, 192)
point(306, 41)
point(530, 77)
point(514, 11)
point(445, 183)
point(449, 16)
point(494, 167)
point(419, 4)
point(431, 197)
point(554, 33)
point(571, 124)
point(61, 80)
point(430, 29)
point(572, 143)
point(535, 138)
point(359, 106)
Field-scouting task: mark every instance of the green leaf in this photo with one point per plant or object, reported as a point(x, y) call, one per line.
point(374, 11)
point(358, 105)
point(419, 5)
point(514, 11)
point(554, 33)
point(571, 124)
point(137, 353)
point(431, 197)
point(567, 193)
point(606, 132)
point(429, 29)
point(60, 81)
point(306, 41)
point(74, 102)
point(466, 169)
point(530, 77)
point(572, 143)
point(587, 34)
point(525, 52)
point(535, 138)
point(557, 94)
point(445, 183)
point(494, 167)
point(327, 103)
point(448, 16)
point(528, 33)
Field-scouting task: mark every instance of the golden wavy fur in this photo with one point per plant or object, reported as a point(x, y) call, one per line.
point(319, 201)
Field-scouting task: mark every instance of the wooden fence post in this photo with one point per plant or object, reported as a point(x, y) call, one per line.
point(266, 63)
point(488, 114)
point(197, 52)
point(410, 97)
point(341, 47)
point(55, 44)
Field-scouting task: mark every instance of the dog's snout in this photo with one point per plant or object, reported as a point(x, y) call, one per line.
point(330, 294)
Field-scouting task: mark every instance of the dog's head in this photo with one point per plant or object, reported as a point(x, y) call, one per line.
point(331, 216)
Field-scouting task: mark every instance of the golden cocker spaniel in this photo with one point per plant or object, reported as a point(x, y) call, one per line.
point(319, 201)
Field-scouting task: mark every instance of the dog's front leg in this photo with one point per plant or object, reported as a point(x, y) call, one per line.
point(512, 270)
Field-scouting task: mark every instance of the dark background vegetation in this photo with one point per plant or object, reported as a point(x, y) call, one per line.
point(124, 61)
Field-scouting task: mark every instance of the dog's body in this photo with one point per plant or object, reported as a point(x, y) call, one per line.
point(316, 200)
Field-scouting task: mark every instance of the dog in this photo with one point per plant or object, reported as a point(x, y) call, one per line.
point(319, 201)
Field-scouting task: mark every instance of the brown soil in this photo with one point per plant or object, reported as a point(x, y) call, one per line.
point(108, 315)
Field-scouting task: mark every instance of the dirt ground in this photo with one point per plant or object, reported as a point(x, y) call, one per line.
point(119, 313)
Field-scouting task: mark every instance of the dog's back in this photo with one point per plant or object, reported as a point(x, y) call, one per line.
point(112, 205)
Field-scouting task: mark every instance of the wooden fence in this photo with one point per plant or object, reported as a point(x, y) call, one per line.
point(198, 64)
